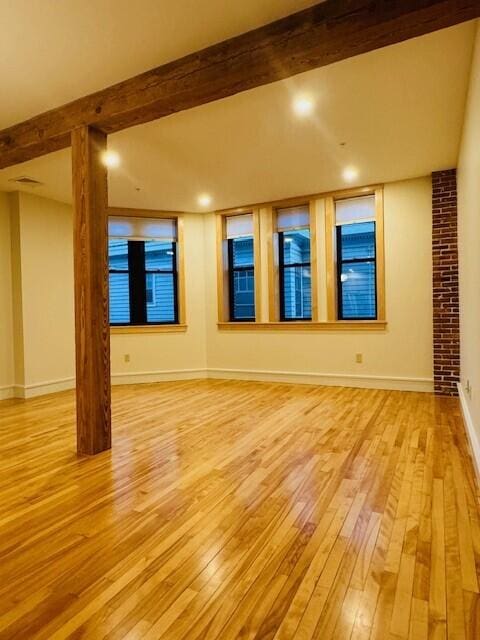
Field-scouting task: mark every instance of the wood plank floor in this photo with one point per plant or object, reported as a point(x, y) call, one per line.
point(240, 510)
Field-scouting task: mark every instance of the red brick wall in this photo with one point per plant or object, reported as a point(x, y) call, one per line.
point(446, 329)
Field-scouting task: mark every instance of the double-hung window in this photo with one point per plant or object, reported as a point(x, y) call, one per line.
point(241, 267)
point(294, 261)
point(356, 258)
point(143, 280)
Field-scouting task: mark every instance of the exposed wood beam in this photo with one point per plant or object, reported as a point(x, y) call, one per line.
point(92, 334)
point(326, 33)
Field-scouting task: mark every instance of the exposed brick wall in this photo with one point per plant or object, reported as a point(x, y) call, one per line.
point(446, 323)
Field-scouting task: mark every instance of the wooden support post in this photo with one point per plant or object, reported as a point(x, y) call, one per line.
point(92, 337)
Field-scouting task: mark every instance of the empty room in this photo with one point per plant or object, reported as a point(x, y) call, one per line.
point(239, 320)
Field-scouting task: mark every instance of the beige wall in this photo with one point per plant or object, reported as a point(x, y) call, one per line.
point(42, 268)
point(6, 314)
point(469, 244)
point(402, 352)
point(400, 357)
point(47, 289)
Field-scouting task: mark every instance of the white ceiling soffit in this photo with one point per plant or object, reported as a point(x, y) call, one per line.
point(393, 114)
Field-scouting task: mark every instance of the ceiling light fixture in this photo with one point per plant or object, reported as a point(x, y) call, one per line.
point(303, 106)
point(111, 159)
point(204, 200)
point(350, 174)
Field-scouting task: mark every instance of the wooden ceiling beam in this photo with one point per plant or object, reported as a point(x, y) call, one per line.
point(325, 33)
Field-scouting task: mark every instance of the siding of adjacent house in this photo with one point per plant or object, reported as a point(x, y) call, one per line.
point(160, 286)
point(359, 298)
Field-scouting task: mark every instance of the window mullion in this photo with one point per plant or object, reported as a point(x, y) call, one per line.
point(137, 281)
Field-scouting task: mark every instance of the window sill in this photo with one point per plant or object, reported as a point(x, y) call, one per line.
point(339, 325)
point(150, 328)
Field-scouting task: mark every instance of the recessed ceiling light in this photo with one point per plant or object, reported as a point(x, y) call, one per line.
point(303, 106)
point(350, 174)
point(111, 159)
point(204, 200)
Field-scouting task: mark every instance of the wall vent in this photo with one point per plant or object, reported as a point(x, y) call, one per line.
point(26, 181)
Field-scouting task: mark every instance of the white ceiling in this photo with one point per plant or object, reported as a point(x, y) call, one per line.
point(53, 51)
point(394, 113)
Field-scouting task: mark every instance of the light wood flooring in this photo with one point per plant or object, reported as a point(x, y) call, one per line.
point(240, 510)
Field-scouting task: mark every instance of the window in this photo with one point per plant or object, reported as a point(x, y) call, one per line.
point(295, 273)
point(356, 258)
point(241, 268)
point(143, 271)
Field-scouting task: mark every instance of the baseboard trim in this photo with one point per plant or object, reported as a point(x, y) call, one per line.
point(142, 377)
point(145, 377)
point(148, 377)
point(328, 379)
point(7, 392)
point(43, 388)
point(470, 429)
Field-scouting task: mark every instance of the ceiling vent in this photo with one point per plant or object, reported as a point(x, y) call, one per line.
point(26, 181)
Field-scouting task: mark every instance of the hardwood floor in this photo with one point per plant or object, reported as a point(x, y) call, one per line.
point(240, 510)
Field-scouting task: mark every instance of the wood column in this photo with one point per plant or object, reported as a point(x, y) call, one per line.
point(92, 336)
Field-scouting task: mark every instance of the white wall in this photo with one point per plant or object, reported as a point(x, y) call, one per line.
point(6, 313)
point(399, 357)
point(469, 254)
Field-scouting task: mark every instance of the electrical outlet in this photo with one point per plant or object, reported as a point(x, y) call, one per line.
point(359, 358)
point(126, 357)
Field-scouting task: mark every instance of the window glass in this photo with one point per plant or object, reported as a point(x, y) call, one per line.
point(357, 271)
point(143, 281)
point(159, 255)
point(118, 254)
point(297, 293)
point(119, 298)
point(295, 275)
point(161, 306)
point(242, 279)
point(296, 246)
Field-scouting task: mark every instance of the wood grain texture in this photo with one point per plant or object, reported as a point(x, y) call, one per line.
point(306, 325)
point(223, 310)
point(330, 259)
point(314, 273)
point(258, 510)
point(92, 329)
point(257, 265)
point(380, 253)
point(325, 33)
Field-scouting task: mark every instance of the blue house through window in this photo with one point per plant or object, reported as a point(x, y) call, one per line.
point(295, 275)
point(356, 261)
point(143, 282)
point(242, 278)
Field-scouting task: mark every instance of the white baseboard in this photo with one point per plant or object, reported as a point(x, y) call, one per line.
point(145, 377)
point(142, 377)
point(470, 429)
point(327, 379)
point(7, 392)
point(43, 388)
